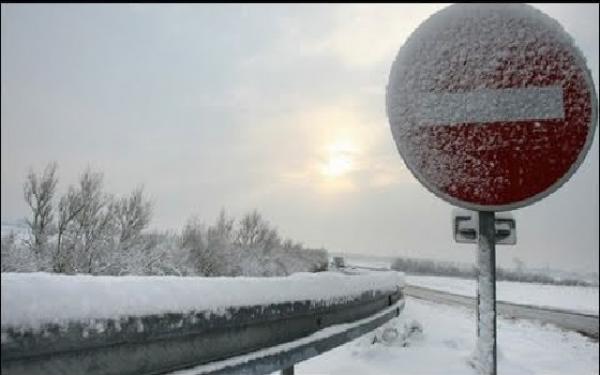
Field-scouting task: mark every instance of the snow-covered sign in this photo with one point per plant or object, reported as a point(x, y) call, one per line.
point(491, 106)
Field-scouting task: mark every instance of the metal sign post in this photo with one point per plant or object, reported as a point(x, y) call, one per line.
point(486, 294)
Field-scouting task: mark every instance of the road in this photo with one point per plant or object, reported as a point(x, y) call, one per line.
point(586, 324)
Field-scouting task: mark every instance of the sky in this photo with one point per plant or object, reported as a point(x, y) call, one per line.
point(279, 108)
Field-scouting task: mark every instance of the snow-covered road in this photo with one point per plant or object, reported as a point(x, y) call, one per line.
point(586, 324)
point(582, 299)
point(446, 344)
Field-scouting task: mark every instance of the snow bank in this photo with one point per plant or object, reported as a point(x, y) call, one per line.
point(33, 299)
point(447, 342)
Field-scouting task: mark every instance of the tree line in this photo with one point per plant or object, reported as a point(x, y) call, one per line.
point(87, 230)
point(427, 267)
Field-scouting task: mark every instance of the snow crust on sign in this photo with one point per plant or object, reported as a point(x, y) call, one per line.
point(584, 299)
point(484, 62)
point(32, 299)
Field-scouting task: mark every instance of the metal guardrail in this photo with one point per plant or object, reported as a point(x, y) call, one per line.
point(159, 344)
point(286, 355)
point(586, 324)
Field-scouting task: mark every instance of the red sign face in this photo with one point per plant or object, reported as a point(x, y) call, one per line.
point(491, 106)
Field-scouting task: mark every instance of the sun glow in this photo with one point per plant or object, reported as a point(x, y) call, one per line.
point(339, 159)
point(337, 166)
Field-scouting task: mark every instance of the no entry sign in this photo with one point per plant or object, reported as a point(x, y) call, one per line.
point(491, 106)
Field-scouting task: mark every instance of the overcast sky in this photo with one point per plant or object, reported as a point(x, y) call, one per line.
point(275, 107)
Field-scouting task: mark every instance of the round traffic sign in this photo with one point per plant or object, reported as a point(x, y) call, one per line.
point(491, 106)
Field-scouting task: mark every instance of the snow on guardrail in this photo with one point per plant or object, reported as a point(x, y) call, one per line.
point(31, 300)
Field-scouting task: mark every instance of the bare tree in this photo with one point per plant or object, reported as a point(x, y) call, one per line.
point(15, 257)
point(222, 230)
point(132, 214)
point(86, 226)
point(219, 241)
point(193, 240)
point(69, 207)
point(271, 240)
point(210, 250)
point(94, 223)
point(100, 234)
point(38, 192)
point(255, 232)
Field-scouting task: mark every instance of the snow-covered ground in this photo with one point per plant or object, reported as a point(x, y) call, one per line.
point(447, 342)
point(575, 298)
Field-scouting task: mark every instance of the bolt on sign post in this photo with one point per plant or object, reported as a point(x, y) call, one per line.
point(492, 108)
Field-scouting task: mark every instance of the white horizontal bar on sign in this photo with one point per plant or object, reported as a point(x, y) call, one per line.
point(490, 105)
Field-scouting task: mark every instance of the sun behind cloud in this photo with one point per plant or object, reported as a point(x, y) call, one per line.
point(338, 149)
point(340, 159)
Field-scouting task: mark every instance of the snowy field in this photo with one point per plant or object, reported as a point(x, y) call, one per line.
point(575, 298)
point(446, 343)
point(19, 229)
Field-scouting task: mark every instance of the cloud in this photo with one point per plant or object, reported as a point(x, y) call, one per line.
point(291, 151)
point(365, 35)
point(359, 36)
point(241, 106)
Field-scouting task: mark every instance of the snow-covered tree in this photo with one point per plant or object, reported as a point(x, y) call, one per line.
point(211, 250)
point(38, 191)
point(86, 226)
point(254, 232)
point(132, 214)
point(99, 233)
point(69, 206)
point(193, 240)
point(16, 257)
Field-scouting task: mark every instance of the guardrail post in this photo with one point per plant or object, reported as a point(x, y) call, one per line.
point(288, 371)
